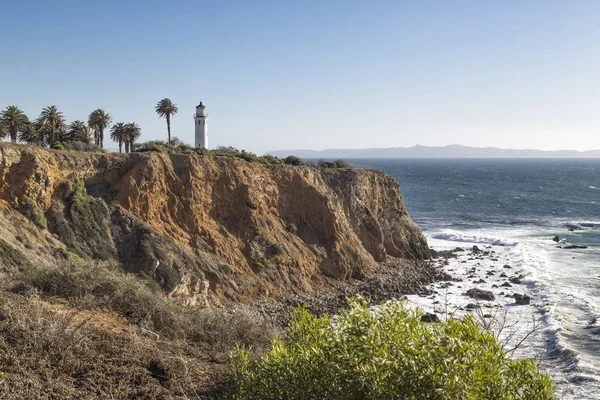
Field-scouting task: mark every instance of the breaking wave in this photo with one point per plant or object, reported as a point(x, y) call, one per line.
point(455, 236)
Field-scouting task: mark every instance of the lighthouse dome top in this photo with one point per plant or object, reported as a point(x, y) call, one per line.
point(201, 110)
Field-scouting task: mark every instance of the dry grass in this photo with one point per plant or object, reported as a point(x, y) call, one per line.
point(49, 349)
point(99, 285)
point(47, 355)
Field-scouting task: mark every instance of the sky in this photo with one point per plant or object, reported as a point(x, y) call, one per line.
point(315, 74)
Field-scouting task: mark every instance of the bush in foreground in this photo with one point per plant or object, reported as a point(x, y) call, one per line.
point(389, 354)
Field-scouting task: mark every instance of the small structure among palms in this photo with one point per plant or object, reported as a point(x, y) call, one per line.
point(166, 108)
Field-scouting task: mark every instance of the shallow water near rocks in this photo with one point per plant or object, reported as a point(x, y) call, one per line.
point(512, 209)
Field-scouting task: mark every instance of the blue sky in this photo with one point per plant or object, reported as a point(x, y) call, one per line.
point(316, 74)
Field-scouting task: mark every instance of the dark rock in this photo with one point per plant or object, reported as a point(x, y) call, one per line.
point(472, 306)
point(503, 275)
point(479, 281)
point(159, 371)
point(428, 317)
point(506, 266)
point(490, 273)
point(573, 227)
point(476, 250)
point(572, 246)
point(522, 299)
point(506, 284)
point(443, 276)
point(458, 249)
point(556, 239)
point(480, 294)
point(495, 286)
point(514, 279)
point(444, 254)
point(487, 316)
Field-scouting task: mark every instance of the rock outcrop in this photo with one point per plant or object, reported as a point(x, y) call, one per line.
point(214, 229)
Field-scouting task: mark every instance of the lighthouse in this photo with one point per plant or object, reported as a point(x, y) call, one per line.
point(200, 125)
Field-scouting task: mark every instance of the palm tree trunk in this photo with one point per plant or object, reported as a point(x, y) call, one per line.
point(13, 136)
point(120, 146)
point(101, 135)
point(169, 127)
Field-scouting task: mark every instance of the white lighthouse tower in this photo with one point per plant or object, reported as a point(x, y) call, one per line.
point(201, 127)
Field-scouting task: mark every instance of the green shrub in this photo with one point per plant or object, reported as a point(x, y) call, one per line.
point(85, 227)
point(342, 164)
point(293, 160)
point(82, 146)
point(334, 164)
point(270, 160)
point(389, 354)
point(160, 146)
point(31, 210)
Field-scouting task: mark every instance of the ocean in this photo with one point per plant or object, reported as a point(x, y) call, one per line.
point(513, 209)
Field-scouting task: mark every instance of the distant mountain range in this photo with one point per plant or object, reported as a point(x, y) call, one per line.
point(451, 151)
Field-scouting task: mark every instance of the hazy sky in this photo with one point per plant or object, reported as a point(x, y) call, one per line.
point(316, 74)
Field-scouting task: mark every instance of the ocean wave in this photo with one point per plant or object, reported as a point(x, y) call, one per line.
point(593, 187)
point(453, 236)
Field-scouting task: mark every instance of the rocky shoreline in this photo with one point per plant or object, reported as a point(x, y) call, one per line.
point(394, 279)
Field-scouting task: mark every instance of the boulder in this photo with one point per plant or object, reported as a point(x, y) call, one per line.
point(443, 276)
point(149, 334)
point(556, 239)
point(476, 250)
point(480, 294)
point(428, 317)
point(514, 279)
point(522, 299)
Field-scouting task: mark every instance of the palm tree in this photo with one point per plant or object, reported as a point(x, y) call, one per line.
point(166, 108)
point(3, 131)
point(78, 132)
point(132, 132)
point(52, 124)
point(14, 121)
point(99, 120)
point(118, 133)
point(30, 135)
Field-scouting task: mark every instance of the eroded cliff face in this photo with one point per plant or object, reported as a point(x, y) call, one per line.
point(216, 229)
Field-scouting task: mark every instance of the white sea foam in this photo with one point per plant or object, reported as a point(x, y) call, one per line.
point(458, 236)
point(563, 299)
point(593, 187)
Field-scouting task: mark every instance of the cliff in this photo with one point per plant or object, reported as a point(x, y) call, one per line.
point(205, 228)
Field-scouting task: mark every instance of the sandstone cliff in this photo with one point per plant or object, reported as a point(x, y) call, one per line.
point(206, 228)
